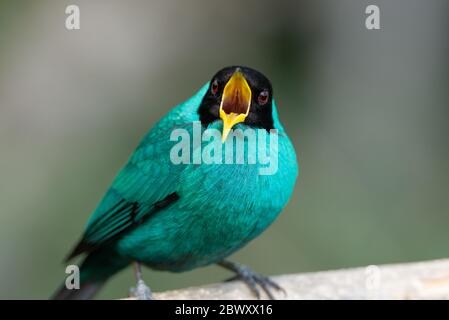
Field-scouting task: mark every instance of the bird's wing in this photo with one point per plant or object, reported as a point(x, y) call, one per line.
point(146, 183)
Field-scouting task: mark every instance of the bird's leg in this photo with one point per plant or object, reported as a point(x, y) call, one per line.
point(141, 291)
point(251, 278)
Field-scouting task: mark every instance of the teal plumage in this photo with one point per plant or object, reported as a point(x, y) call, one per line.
point(178, 217)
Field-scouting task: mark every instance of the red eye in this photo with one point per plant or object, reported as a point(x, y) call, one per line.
point(263, 97)
point(214, 87)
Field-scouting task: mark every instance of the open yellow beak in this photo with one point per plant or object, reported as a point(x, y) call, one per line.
point(235, 103)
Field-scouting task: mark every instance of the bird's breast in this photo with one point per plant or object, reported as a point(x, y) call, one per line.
point(221, 207)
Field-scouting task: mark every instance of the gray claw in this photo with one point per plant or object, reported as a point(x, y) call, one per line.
point(254, 280)
point(141, 291)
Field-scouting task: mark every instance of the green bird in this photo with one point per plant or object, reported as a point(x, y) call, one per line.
point(171, 208)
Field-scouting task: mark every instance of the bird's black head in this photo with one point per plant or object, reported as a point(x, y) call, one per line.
point(238, 94)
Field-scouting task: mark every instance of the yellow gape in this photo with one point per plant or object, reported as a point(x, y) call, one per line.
point(235, 103)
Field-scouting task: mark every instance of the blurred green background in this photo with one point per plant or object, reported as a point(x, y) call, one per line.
point(367, 111)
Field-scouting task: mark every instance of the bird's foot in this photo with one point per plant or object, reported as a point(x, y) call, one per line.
point(255, 281)
point(141, 291)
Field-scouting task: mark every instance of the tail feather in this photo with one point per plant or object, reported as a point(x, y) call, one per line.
point(85, 292)
point(95, 269)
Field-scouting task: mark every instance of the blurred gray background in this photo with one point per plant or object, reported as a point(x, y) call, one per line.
point(366, 110)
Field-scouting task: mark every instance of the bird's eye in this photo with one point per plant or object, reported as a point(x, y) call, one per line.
point(214, 87)
point(263, 97)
